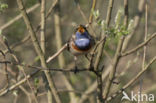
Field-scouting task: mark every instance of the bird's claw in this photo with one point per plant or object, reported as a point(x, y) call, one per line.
point(76, 70)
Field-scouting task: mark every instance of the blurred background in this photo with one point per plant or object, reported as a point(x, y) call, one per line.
point(68, 15)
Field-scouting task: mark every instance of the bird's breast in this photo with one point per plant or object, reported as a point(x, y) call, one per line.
point(83, 44)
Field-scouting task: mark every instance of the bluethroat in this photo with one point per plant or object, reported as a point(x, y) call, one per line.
point(81, 42)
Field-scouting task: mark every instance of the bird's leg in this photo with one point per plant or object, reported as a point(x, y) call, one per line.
point(76, 69)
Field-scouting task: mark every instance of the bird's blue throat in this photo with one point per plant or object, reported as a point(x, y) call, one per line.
point(83, 44)
point(82, 41)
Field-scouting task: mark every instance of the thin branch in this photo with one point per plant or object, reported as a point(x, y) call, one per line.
point(83, 15)
point(61, 59)
point(101, 47)
point(57, 53)
point(37, 28)
point(28, 82)
point(113, 69)
point(99, 87)
point(51, 8)
point(6, 71)
point(126, 13)
point(58, 35)
point(45, 69)
point(18, 83)
point(109, 12)
point(42, 37)
point(34, 73)
point(43, 23)
point(93, 86)
point(31, 9)
point(85, 19)
point(27, 93)
point(139, 46)
point(5, 42)
point(38, 50)
point(91, 12)
point(48, 13)
point(24, 40)
point(94, 50)
point(146, 31)
point(136, 24)
point(145, 47)
point(132, 80)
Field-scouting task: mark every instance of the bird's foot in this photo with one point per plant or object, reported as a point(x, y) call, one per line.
point(76, 70)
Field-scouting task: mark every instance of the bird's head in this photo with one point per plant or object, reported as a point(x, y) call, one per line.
point(81, 32)
point(81, 29)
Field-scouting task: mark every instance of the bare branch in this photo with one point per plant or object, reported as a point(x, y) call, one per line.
point(92, 9)
point(18, 83)
point(139, 46)
point(136, 24)
point(132, 80)
point(113, 69)
point(43, 23)
point(57, 53)
point(38, 50)
point(6, 25)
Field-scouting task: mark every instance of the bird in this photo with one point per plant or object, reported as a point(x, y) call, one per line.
point(80, 43)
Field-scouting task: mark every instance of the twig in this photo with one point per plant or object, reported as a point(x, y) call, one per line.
point(145, 47)
point(109, 11)
point(6, 25)
point(20, 68)
point(26, 92)
point(117, 54)
point(85, 18)
point(61, 59)
point(93, 86)
point(99, 55)
point(6, 71)
point(99, 86)
point(43, 69)
point(139, 46)
point(51, 8)
point(42, 37)
point(101, 47)
point(136, 24)
point(58, 35)
point(126, 13)
point(38, 50)
point(37, 28)
point(145, 37)
point(94, 50)
point(132, 80)
point(43, 23)
point(113, 69)
point(91, 12)
point(48, 13)
point(28, 82)
point(18, 83)
point(34, 73)
point(83, 15)
point(24, 40)
point(57, 53)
